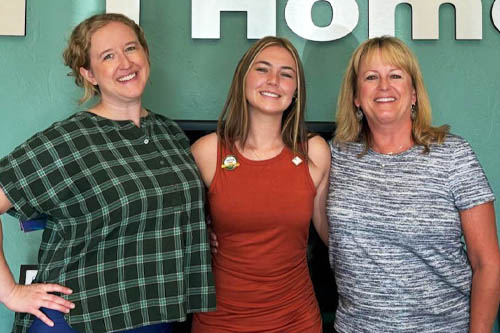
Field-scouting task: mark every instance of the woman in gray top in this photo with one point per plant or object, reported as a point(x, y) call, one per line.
point(402, 195)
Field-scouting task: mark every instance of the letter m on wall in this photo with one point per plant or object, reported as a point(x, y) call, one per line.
point(205, 17)
point(425, 18)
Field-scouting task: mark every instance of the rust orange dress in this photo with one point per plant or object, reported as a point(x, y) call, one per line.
point(261, 212)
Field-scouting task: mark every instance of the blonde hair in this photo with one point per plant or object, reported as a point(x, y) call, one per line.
point(234, 121)
point(77, 55)
point(393, 50)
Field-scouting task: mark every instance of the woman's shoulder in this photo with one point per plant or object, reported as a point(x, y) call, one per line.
point(61, 130)
point(318, 151)
point(204, 151)
point(346, 148)
point(451, 143)
point(317, 147)
point(60, 136)
point(164, 120)
point(454, 139)
point(205, 144)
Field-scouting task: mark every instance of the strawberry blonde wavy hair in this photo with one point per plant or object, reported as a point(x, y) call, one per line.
point(396, 53)
point(77, 54)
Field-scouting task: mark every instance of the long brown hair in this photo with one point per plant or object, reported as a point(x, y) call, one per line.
point(234, 121)
point(349, 129)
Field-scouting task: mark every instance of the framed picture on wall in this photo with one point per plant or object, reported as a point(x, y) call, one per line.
point(27, 274)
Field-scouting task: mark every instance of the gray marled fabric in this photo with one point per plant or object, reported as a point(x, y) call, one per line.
point(395, 237)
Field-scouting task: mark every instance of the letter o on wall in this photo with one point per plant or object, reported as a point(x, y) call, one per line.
point(299, 19)
point(495, 15)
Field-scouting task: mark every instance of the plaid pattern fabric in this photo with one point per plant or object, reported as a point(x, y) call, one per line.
point(126, 227)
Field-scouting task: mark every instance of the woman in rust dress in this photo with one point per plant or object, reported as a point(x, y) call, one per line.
point(266, 178)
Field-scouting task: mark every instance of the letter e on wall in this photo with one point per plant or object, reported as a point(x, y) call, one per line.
point(425, 18)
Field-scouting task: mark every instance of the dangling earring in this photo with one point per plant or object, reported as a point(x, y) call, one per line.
point(359, 114)
point(413, 114)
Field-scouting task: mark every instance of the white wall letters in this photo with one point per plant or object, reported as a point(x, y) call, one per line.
point(425, 18)
point(299, 19)
point(261, 17)
point(381, 17)
point(205, 17)
point(130, 8)
point(13, 17)
point(495, 15)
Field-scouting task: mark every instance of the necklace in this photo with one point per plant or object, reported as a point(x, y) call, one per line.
point(401, 148)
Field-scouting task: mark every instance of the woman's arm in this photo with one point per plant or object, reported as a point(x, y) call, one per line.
point(204, 151)
point(319, 167)
point(31, 298)
point(479, 227)
point(205, 155)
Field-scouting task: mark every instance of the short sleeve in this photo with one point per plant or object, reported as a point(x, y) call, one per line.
point(23, 179)
point(469, 184)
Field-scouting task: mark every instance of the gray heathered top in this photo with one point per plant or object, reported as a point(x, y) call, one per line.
point(395, 239)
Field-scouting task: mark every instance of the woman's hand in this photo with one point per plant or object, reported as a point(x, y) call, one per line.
point(31, 298)
point(214, 244)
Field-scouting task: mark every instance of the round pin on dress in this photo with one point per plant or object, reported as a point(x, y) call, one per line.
point(230, 162)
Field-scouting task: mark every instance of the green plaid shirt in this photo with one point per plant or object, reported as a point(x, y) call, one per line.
point(126, 227)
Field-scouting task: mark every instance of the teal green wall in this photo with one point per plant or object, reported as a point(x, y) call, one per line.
point(190, 79)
